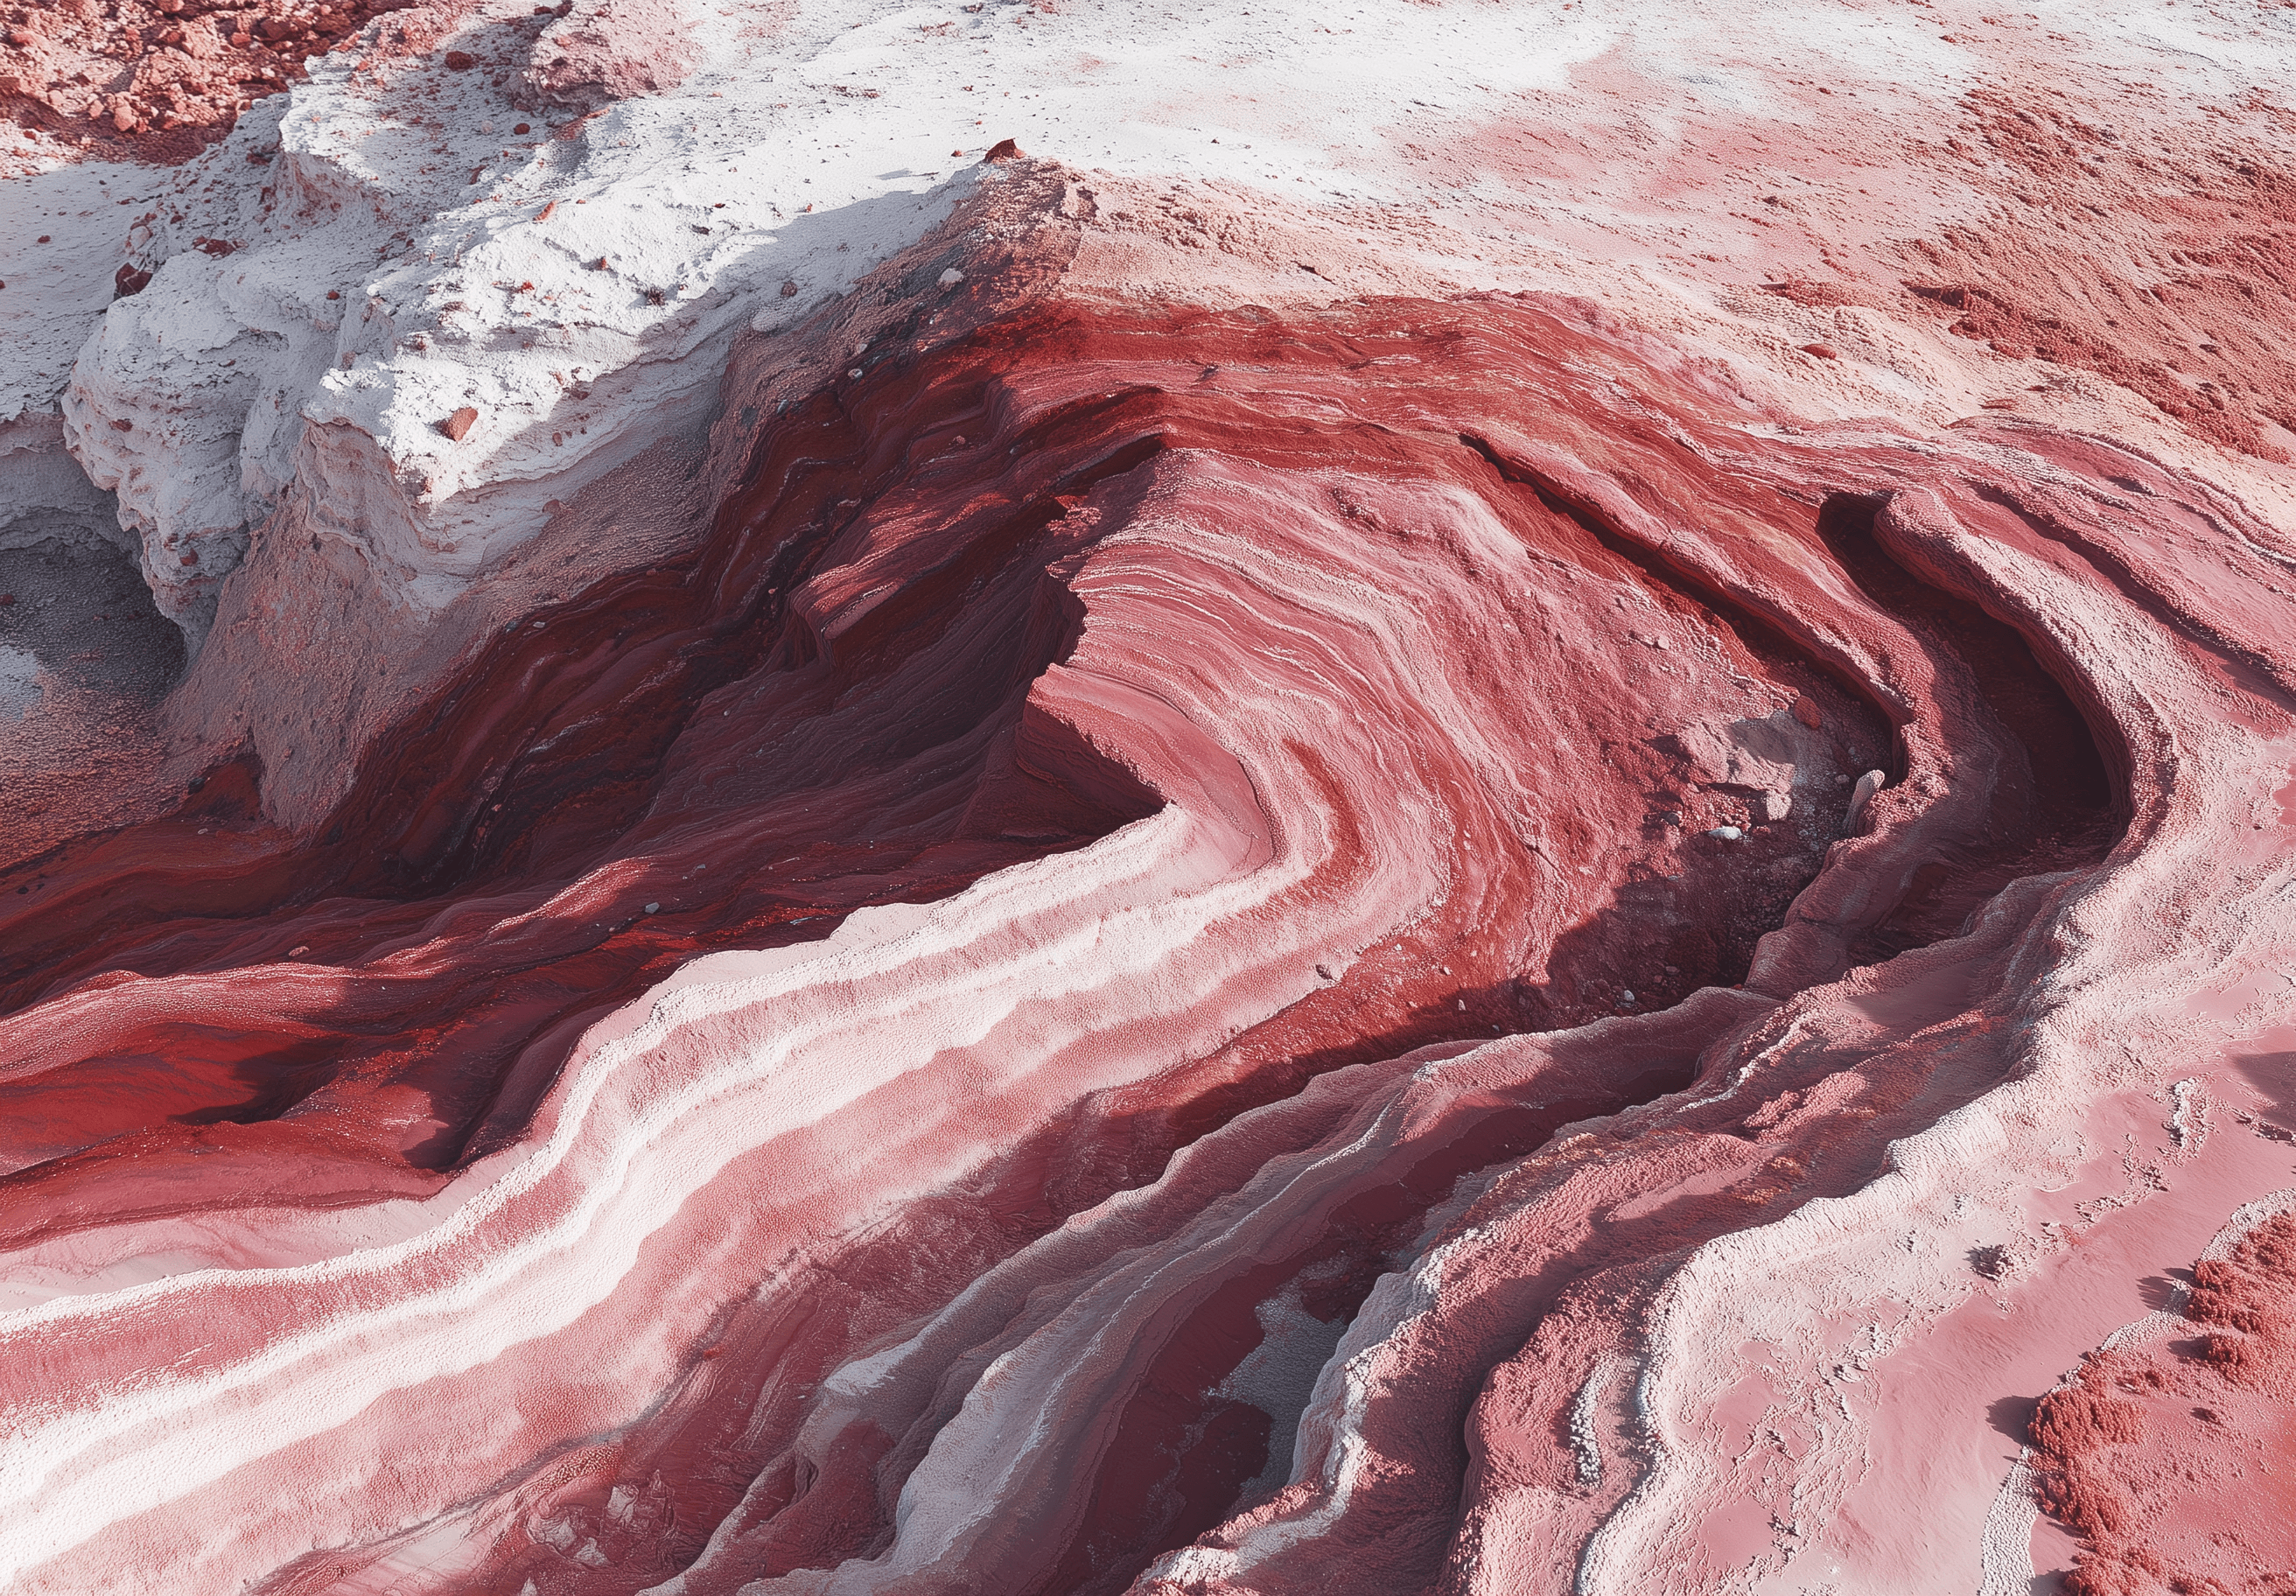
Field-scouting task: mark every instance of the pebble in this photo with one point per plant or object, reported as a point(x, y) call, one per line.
point(1868, 784)
point(1726, 833)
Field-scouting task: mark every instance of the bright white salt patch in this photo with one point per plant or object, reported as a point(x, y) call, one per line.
point(1586, 1440)
point(2188, 1122)
point(56, 290)
point(20, 682)
point(1276, 1377)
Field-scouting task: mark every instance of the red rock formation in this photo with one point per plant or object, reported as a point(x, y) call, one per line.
point(159, 77)
point(1307, 1013)
point(1166, 904)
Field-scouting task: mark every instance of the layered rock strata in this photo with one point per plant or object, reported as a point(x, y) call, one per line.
point(1297, 1004)
point(1072, 880)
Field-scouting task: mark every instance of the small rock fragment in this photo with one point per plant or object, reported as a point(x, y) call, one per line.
point(1725, 833)
point(1860, 796)
point(951, 277)
point(1805, 710)
point(458, 425)
point(1003, 150)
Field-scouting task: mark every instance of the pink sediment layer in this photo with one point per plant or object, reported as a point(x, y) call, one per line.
point(1295, 1097)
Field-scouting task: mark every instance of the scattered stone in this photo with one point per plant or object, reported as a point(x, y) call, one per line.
point(1725, 833)
point(951, 277)
point(1805, 710)
point(1860, 796)
point(457, 426)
